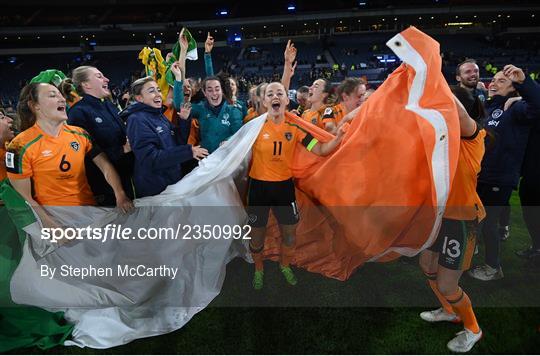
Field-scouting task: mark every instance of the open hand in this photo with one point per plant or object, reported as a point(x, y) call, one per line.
point(176, 69)
point(199, 152)
point(290, 52)
point(185, 111)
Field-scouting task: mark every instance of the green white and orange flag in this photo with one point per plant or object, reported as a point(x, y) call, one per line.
point(384, 191)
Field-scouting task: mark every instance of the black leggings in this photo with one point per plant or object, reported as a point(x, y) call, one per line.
point(494, 198)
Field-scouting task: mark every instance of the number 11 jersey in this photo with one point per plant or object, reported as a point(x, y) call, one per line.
point(273, 150)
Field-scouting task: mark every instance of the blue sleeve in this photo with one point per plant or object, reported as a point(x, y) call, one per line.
point(146, 146)
point(114, 153)
point(528, 111)
point(208, 66)
point(77, 117)
point(178, 94)
point(184, 128)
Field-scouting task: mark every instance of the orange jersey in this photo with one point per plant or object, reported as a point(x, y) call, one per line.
point(169, 113)
point(463, 201)
point(3, 173)
point(319, 117)
point(75, 100)
point(273, 150)
point(54, 164)
point(251, 114)
point(337, 113)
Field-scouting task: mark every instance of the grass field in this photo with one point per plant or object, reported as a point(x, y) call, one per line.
point(375, 311)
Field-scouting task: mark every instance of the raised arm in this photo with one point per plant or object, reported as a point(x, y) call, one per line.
point(183, 53)
point(208, 46)
point(529, 111)
point(467, 125)
point(178, 89)
point(289, 65)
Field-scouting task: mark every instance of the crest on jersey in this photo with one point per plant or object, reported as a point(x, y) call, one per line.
point(288, 136)
point(314, 121)
point(75, 146)
point(328, 111)
point(496, 113)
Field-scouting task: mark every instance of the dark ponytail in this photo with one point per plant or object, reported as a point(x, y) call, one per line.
point(67, 89)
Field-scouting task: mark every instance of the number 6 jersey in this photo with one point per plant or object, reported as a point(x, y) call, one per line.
point(54, 164)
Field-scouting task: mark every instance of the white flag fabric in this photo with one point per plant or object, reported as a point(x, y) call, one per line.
point(116, 310)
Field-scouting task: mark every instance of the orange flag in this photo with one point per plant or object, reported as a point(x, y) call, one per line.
point(382, 193)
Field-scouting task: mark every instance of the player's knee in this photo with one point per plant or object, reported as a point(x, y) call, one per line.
point(426, 263)
point(446, 288)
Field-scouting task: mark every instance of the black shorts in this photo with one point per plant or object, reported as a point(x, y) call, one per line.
point(278, 196)
point(455, 244)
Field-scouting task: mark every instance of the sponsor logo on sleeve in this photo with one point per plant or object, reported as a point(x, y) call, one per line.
point(10, 160)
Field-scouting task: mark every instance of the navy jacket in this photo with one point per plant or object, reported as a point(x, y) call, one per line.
point(504, 157)
point(101, 120)
point(157, 146)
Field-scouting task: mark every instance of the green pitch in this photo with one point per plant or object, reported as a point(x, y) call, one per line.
point(375, 312)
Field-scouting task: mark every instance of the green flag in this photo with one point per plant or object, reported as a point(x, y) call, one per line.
point(21, 325)
point(191, 50)
point(192, 46)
